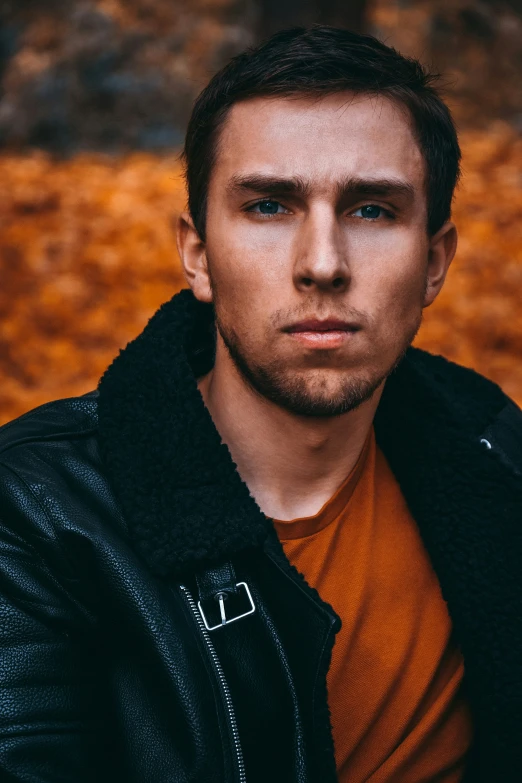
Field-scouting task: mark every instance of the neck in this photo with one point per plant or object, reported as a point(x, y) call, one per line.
point(291, 464)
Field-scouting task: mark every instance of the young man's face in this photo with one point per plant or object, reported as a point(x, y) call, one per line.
point(317, 256)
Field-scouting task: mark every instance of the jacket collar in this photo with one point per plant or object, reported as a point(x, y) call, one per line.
point(184, 501)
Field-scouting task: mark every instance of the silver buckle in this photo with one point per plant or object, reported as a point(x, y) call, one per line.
point(224, 619)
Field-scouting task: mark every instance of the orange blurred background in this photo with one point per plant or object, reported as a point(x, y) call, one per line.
point(87, 250)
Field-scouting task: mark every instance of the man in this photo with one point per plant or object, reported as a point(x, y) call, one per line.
point(278, 543)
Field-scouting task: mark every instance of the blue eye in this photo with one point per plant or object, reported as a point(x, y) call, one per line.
point(369, 211)
point(267, 207)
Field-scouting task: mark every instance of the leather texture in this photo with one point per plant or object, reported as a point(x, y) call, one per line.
point(105, 670)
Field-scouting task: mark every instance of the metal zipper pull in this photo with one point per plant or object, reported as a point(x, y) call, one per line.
point(223, 685)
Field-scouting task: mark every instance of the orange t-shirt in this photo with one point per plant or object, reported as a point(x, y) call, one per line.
point(397, 710)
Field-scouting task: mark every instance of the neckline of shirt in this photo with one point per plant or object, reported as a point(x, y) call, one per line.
point(302, 527)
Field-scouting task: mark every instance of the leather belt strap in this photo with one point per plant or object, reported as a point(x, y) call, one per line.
point(216, 580)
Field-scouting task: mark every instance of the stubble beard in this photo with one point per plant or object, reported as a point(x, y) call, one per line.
point(299, 395)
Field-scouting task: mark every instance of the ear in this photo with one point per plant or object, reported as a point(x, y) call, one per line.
point(192, 253)
point(442, 248)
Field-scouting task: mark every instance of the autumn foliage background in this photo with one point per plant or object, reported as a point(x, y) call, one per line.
point(94, 100)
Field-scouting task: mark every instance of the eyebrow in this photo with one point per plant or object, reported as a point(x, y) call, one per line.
point(376, 187)
point(260, 183)
point(351, 186)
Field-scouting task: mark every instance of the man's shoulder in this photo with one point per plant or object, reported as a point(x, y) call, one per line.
point(36, 442)
point(454, 377)
point(58, 420)
point(52, 476)
point(477, 400)
point(463, 385)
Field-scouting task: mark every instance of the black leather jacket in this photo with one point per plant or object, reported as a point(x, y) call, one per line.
point(121, 510)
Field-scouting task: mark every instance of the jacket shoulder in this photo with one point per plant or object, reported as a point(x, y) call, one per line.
point(478, 401)
point(462, 387)
point(57, 420)
point(454, 376)
point(52, 479)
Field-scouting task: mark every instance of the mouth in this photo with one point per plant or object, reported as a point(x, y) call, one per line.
point(325, 334)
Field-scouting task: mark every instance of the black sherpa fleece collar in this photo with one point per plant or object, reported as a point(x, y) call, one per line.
point(187, 506)
point(177, 484)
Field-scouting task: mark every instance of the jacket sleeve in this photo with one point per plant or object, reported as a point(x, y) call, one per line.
point(50, 717)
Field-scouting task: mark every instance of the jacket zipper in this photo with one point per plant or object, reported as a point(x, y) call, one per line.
point(229, 707)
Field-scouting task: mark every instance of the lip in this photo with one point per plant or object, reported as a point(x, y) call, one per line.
point(326, 325)
point(324, 334)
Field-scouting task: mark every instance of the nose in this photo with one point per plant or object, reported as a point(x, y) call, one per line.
point(321, 258)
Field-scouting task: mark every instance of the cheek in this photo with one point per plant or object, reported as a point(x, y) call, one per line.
point(408, 288)
point(404, 265)
point(248, 250)
point(402, 307)
point(239, 293)
point(245, 274)
point(396, 289)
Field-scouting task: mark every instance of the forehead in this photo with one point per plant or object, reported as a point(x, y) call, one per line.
point(324, 138)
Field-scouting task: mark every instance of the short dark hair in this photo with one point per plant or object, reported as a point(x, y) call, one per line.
point(325, 60)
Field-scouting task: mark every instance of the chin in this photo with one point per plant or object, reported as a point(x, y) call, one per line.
point(317, 396)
